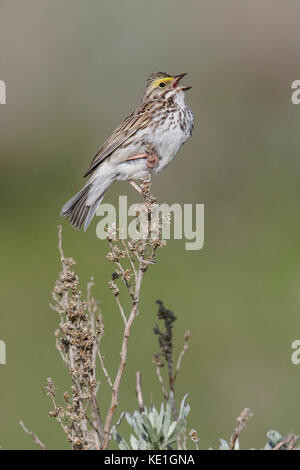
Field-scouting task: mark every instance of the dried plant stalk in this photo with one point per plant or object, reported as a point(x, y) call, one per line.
point(140, 253)
point(33, 436)
point(241, 423)
point(81, 329)
point(77, 340)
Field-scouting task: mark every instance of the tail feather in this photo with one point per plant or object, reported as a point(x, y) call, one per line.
point(91, 212)
point(79, 208)
point(79, 212)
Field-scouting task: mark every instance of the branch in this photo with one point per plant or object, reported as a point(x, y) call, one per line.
point(34, 436)
point(124, 349)
point(140, 248)
point(187, 336)
point(242, 421)
point(138, 391)
point(288, 441)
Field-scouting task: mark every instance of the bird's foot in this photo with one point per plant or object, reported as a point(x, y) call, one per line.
point(152, 157)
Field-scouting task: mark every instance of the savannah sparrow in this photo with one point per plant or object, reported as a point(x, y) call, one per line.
point(145, 142)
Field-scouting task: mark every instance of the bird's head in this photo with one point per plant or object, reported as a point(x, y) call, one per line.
point(164, 85)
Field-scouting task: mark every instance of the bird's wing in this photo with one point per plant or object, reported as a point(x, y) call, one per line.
point(134, 122)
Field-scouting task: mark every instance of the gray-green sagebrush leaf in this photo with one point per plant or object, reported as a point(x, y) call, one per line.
point(154, 430)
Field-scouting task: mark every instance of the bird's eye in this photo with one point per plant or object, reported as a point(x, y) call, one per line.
point(162, 84)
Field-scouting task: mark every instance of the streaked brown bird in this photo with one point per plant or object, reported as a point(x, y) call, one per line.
point(145, 142)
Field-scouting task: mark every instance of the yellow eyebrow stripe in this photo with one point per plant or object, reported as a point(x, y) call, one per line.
point(159, 80)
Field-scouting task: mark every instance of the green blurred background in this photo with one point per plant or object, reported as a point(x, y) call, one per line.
point(73, 70)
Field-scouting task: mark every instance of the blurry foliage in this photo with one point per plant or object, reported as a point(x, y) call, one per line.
point(275, 442)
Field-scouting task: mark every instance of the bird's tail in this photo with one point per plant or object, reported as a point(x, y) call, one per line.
point(81, 208)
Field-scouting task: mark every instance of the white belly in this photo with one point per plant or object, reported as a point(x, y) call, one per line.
point(167, 141)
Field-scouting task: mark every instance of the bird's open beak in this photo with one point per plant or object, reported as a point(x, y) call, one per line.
point(177, 80)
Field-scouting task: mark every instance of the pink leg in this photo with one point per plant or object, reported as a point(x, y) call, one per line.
point(136, 186)
point(152, 159)
point(136, 157)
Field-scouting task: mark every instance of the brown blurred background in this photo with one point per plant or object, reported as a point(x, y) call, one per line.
point(73, 70)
